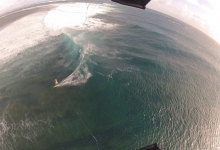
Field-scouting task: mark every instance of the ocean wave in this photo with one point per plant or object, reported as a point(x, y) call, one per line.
point(29, 35)
point(38, 27)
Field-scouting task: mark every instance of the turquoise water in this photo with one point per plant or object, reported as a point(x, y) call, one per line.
point(150, 79)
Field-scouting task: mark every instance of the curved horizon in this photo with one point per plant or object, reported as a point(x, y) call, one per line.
point(191, 12)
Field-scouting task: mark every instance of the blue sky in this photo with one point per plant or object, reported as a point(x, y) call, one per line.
point(202, 14)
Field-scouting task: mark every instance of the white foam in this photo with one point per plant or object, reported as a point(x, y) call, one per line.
point(81, 74)
point(20, 35)
point(33, 29)
point(76, 16)
point(26, 128)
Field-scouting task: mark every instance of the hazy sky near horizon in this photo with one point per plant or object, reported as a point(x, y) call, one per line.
point(202, 14)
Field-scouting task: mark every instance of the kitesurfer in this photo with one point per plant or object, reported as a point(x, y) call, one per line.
point(55, 81)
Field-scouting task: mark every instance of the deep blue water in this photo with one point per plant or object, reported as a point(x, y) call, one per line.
point(150, 79)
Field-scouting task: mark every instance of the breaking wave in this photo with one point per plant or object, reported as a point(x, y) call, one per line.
point(77, 16)
point(42, 27)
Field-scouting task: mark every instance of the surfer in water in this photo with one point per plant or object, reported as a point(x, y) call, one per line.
point(55, 81)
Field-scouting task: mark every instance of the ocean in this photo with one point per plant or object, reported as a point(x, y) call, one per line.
point(127, 78)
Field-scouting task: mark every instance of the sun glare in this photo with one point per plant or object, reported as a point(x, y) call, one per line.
point(214, 23)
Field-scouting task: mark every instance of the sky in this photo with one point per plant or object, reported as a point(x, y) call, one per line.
point(202, 14)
